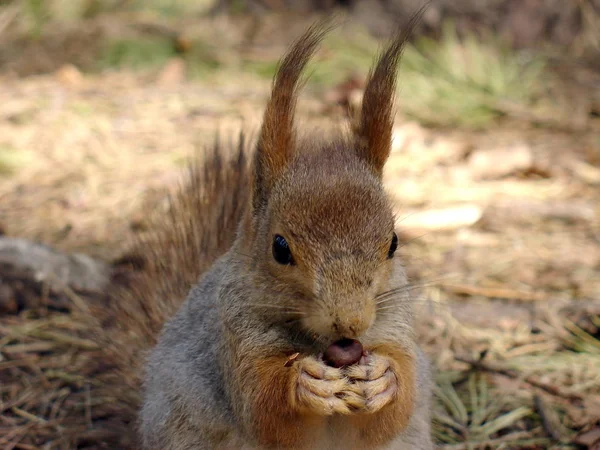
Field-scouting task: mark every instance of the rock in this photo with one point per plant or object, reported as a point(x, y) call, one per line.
point(21, 258)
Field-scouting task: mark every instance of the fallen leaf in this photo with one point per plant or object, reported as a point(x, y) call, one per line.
point(173, 72)
point(441, 219)
point(69, 75)
point(531, 212)
point(590, 439)
point(347, 92)
point(585, 172)
point(498, 163)
point(407, 134)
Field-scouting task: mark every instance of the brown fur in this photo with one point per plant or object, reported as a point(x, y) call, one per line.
point(377, 113)
point(276, 141)
point(198, 227)
point(275, 419)
point(217, 376)
point(382, 426)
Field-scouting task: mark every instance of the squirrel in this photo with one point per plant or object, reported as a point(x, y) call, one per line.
point(299, 333)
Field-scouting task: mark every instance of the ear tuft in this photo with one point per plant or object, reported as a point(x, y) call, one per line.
point(277, 137)
point(374, 130)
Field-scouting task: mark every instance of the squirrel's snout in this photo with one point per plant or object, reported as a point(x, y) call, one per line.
point(351, 326)
point(348, 321)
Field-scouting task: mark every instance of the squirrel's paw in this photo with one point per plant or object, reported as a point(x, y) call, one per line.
point(375, 381)
point(324, 390)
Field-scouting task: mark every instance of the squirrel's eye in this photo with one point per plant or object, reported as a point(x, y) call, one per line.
point(393, 246)
point(281, 251)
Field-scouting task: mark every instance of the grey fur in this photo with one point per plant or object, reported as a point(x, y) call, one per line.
point(219, 360)
point(188, 402)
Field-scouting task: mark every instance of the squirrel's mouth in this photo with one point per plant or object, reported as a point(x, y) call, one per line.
point(339, 353)
point(344, 352)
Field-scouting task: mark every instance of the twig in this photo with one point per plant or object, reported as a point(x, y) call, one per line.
point(33, 347)
point(88, 405)
point(10, 13)
point(493, 443)
point(550, 421)
point(509, 294)
point(56, 337)
point(549, 388)
point(28, 415)
point(566, 124)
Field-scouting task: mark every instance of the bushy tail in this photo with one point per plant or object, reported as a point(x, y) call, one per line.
point(183, 242)
point(152, 281)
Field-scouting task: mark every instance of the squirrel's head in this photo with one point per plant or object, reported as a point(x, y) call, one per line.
point(323, 228)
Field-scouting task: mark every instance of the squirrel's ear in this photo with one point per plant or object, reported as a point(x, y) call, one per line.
point(374, 129)
point(276, 140)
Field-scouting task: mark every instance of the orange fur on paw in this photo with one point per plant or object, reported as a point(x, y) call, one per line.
point(277, 421)
point(392, 417)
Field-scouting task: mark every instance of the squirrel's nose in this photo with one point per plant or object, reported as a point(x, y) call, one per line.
point(339, 317)
point(352, 327)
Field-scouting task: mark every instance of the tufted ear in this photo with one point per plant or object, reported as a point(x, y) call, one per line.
point(276, 140)
point(374, 130)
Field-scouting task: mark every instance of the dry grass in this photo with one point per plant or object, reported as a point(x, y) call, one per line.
point(510, 303)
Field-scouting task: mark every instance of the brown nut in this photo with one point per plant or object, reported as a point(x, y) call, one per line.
point(344, 352)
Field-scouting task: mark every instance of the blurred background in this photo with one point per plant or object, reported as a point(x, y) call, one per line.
point(495, 176)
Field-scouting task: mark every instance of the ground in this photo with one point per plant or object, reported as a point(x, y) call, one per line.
point(499, 226)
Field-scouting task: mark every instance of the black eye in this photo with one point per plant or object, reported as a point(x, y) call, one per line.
point(393, 246)
point(281, 251)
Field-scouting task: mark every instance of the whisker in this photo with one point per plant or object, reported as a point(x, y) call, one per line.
point(419, 303)
point(413, 286)
point(292, 321)
point(410, 241)
point(387, 307)
point(247, 255)
point(403, 289)
point(386, 300)
point(268, 305)
point(280, 308)
point(392, 291)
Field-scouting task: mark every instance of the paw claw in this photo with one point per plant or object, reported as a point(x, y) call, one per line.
point(324, 390)
point(378, 401)
point(354, 400)
point(318, 369)
point(379, 385)
point(320, 388)
point(375, 382)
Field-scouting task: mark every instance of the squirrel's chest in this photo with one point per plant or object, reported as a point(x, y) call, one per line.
point(337, 434)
